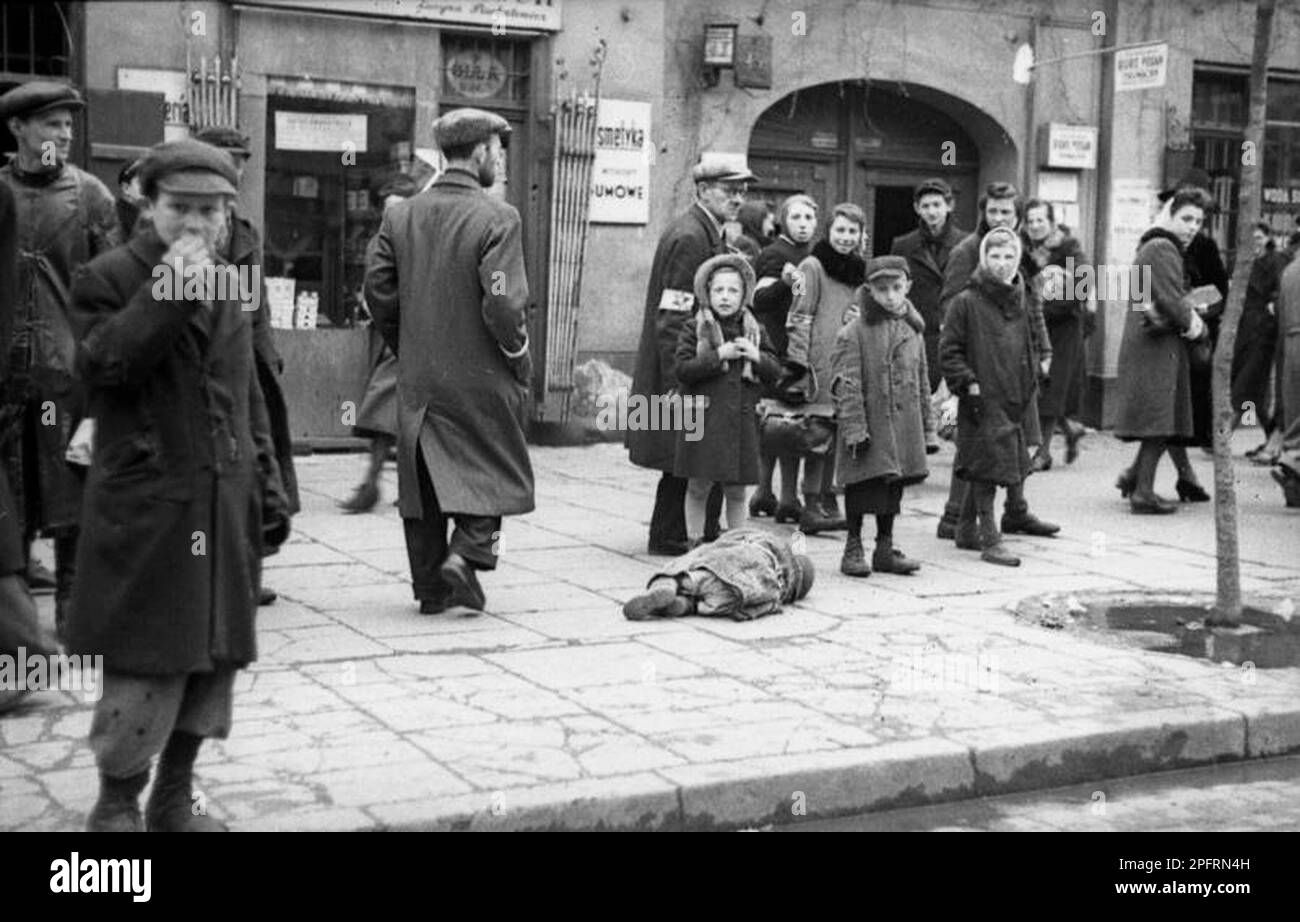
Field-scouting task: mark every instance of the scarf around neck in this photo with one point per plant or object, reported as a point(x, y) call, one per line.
point(709, 336)
point(850, 269)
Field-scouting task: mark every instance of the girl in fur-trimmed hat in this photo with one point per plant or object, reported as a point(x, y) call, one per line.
point(724, 358)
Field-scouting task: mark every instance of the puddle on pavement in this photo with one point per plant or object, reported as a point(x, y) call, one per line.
point(1264, 639)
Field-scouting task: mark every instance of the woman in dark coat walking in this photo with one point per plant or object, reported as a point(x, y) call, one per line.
point(1155, 362)
point(1059, 258)
point(723, 360)
point(990, 361)
point(775, 270)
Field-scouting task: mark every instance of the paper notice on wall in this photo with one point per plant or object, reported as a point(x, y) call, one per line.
point(1132, 209)
point(620, 176)
point(320, 131)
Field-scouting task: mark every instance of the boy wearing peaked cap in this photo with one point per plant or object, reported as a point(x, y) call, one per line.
point(181, 481)
point(881, 387)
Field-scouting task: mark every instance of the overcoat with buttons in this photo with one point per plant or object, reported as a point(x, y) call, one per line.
point(182, 474)
point(881, 386)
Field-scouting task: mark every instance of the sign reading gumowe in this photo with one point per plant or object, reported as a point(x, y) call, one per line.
point(533, 15)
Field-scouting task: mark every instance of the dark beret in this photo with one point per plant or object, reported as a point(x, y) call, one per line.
point(187, 166)
point(467, 127)
point(38, 96)
point(884, 266)
point(231, 139)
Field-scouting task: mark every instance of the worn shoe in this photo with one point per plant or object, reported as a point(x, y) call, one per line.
point(1151, 505)
point(657, 602)
point(1040, 462)
point(968, 539)
point(118, 806)
point(814, 520)
point(854, 561)
point(668, 548)
point(1290, 485)
point(1189, 491)
point(998, 554)
point(171, 806)
point(1126, 483)
point(462, 584)
point(789, 513)
point(364, 498)
point(266, 596)
point(1074, 433)
point(762, 506)
point(889, 559)
point(947, 530)
point(40, 581)
point(831, 510)
point(1028, 524)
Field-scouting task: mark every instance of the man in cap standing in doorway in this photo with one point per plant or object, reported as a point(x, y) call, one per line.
point(721, 181)
point(243, 248)
point(182, 487)
point(65, 217)
point(447, 288)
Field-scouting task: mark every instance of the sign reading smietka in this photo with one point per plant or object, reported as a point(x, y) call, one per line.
point(1141, 68)
point(620, 175)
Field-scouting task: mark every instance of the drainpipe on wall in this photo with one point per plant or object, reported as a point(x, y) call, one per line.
point(1095, 411)
point(1029, 148)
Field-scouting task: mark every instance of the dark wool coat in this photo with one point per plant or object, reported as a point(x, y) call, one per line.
point(986, 340)
point(182, 478)
point(882, 390)
point(927, 257)
point(1288, 331)
point(446, 283)
point(245, 249)
point(64, 219)
point(13, 555)
point(1204, 266)
point(670, 301)
point(1064, 319)
point(728, 450)
point(817, 314)
point(1155, 391)
point(1252, 360)
point(772, 300)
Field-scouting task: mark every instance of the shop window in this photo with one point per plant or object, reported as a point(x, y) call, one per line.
point(35, 39)
point(486, 72)
point(330, 147)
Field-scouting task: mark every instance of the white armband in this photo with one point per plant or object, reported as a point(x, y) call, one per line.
point(674, 299)
point(515, 355)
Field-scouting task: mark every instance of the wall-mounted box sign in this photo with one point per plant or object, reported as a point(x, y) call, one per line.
point(754, 61)
point(1067, 147)
point(320, 131)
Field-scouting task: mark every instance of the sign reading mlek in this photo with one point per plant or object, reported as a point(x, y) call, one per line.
point(1141, 68)
point(620, 175)
point(320, 131)
point(1069, 147)
point(171, 83)
point(532, 15)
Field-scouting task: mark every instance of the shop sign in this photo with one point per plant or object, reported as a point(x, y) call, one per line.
point(171, 83)
point(620, 175)
point(475, 74)
point(824, 140)
point(1070, 147)
point(320, 131)
point(1141, 68)
point(1280, 196)
point(530, 15)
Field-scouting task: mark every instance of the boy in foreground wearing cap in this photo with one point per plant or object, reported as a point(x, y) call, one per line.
point(881, 386)
point(182, 479)
point(746, 574)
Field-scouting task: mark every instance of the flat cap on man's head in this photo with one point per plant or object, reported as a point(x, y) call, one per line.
point(932, 187)
point(879, 267)
point(28, 99)
point(227, 138)
point(187, 167)
point(721, 166)
point(468, 127)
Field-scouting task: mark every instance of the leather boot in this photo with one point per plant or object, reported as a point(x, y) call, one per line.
point(992, 550)
point(789, 511)
point(854, 562)
point(118, 806)
point(762, 504)
point(813, 518)
point(171, 802)
point(889, 559)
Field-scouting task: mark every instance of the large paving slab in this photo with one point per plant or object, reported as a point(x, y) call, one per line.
point(553, 711)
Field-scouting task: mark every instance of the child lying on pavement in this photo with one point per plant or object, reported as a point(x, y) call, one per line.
point(747, 573)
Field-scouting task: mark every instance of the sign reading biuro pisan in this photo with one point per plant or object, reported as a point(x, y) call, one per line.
point(620, 176)
point(528, 15)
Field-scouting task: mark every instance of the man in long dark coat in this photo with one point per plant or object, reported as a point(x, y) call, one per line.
point(244, 249)
point(65, 217)
point(720, 186)
point(926, 250)
point(1287, 473)
point(182, 487)
point(447, 288)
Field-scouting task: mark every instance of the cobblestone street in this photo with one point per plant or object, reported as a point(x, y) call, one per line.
point(553, 710)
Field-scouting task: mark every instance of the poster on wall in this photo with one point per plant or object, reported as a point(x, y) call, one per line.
point(320, 131)
point(1132, 209)
point(171, 83)
point(620, 176)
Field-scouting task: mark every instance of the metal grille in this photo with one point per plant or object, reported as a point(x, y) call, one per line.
point(34, 40)
point(479, 70)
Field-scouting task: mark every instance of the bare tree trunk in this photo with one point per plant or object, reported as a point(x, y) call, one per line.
point(1228, 603)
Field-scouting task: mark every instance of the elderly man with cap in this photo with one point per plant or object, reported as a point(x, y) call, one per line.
point(721, 181)
point(243, 248)
point(445, 282)
point(926, 250)
point(182, 487)
point(65, 217)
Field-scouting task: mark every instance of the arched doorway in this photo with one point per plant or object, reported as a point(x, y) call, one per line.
point(870, 144)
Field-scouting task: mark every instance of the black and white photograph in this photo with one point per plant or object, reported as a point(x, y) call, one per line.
point(651, 415)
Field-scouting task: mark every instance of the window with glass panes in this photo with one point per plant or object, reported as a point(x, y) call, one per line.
point(485, 71)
